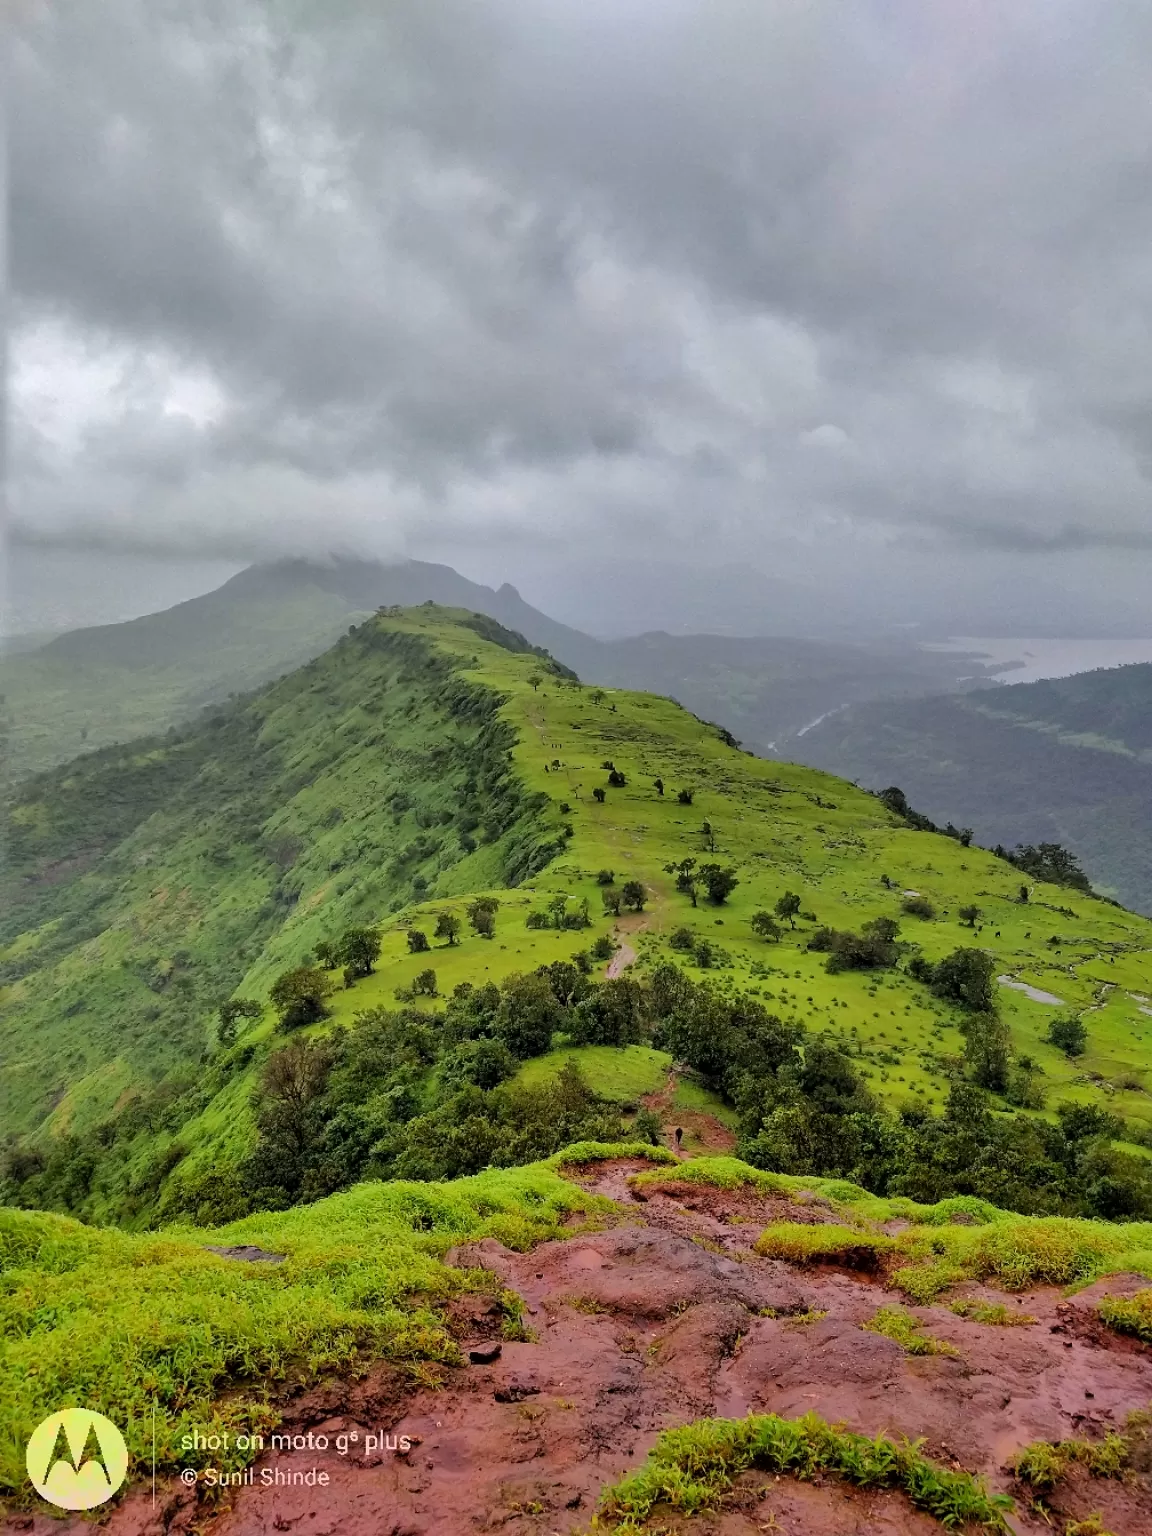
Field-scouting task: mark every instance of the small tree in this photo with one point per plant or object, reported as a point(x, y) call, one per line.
point(1023, 894)
point(765, 926)
point(687, 877)
point(482, 915)
point(605, 877)
point(535, 679)
point(417, 941)
point(718, 882)
point(684, 796)
point(299, 996)
point(634, 895)
point(231, 1013)
point(598, 795)
point(612, 902)
point(602, 948)
point(326, 954)
point(987, 1049)
point(425, 984)
point(787, 907)
point(448, 927)
point(708, 833)
point(918, 906)
point(659, 785)
point(968, 915)
point(616, 779)
point(358, 950)
point(682, 938)
point(1069, 1034)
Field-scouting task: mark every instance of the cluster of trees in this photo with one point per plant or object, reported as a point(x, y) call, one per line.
point(872, 948)
point(897, 802)
point(407, 1094)
point(715, 880)
point(356, 951)
point(557, 915)
point(1046, 861)
point(418, 1094)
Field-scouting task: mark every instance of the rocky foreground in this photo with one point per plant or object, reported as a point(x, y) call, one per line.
point(669, 1316)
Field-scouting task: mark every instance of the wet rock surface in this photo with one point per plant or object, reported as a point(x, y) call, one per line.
point(663, 1318)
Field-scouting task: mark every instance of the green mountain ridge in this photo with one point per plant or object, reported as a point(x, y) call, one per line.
point(429, 757)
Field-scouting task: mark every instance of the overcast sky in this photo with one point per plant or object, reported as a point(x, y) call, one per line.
point(746, 275)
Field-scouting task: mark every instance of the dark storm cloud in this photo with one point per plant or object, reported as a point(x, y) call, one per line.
point(300, 276)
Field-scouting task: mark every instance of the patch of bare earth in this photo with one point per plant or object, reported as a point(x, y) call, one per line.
point(664, 1317)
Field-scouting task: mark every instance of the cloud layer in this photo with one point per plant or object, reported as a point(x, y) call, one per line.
point(293, 276)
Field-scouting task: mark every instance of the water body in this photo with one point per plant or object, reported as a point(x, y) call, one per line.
point(1028, 990)
point(1027, 661)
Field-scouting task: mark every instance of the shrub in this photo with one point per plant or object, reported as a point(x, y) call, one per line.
point(634, 895)
point(684, 796)
point(417, 941)
point(647, 1127)
point(918, 906)
point(682, 938)
point(448, 927)
point(1068, 1033)
point(993, 1314)
point(605, 877)
point(603, 948)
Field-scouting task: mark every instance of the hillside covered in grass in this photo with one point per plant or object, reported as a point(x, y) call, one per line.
point(1065, 760)
point(750, 941)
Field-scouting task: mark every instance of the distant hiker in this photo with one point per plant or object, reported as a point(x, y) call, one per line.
point(679, 1136)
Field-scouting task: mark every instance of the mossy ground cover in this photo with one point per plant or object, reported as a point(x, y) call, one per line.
point(692, 1469)
point(114, 1321)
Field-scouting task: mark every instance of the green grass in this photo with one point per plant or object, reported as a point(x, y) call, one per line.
point(798, 1243)
point(720, 1172)
point(1131, 1314)
point(113, 1322)
point(993, 1314)
point(1045, 1462)
point(620, 1074)
point(691, 1469)
point(907, 1331)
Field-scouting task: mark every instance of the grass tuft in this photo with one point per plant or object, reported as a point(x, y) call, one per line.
point(992, 1313)
point(1045, 1462)
point(692, 1469)
point(907, 1331)
point(824, 1243)
point(720, 1173)
point(606, 1151)
point(1129, 1315)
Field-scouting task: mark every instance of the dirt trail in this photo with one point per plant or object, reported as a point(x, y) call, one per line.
point(662, 1319)
point(620, 961)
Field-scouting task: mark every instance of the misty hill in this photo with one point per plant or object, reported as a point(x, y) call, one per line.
point(1065, 760)
point(430, 758)
point(93, 687)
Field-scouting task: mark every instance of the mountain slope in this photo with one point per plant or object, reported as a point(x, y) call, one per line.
point(429, 757)
point(1066, 760)
point(143, 882)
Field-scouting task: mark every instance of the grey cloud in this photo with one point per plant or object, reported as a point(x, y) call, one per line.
point(537, 270)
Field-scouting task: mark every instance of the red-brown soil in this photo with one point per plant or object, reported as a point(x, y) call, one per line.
point(661, 1319)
